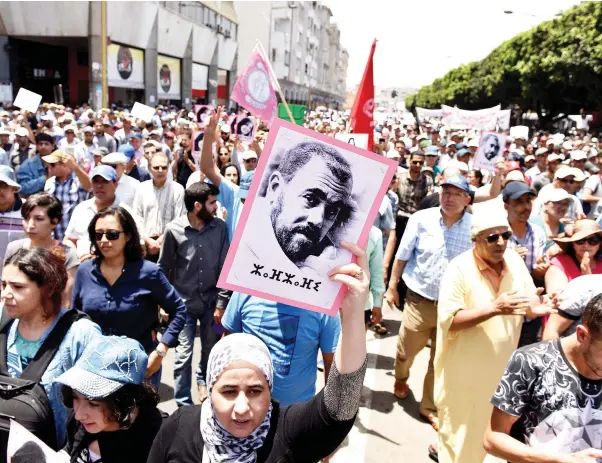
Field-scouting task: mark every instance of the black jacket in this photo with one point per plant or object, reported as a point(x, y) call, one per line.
point(300, 433)
point(130, 445)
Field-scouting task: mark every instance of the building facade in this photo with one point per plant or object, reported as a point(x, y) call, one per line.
point(303, 46)
point(157, 51)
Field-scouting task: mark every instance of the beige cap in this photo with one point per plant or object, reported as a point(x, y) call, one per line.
point(56, 156)
point(488, 214)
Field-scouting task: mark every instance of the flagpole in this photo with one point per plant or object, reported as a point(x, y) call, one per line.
point(275, 81)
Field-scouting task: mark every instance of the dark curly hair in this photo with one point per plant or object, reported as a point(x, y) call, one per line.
point(122, 403)
point(47, 270)
point(226, 166)
point(133, 249)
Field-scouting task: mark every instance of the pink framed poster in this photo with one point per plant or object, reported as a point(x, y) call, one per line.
point(310, 192)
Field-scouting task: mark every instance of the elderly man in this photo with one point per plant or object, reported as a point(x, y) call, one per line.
point(104, 184)
point(432, 238)
point(32, 173)
point(158, 202)
point(567, 178)
point(69, 183)
point(127, 186)
point(553, 163)
point(485, 294)
point(22, 148)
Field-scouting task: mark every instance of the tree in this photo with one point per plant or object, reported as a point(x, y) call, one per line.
point(556, 67)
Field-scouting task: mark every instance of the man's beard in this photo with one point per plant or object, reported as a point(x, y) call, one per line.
point(293, 246)
point(205, 216)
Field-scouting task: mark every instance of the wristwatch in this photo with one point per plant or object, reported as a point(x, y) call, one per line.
point(160, 354)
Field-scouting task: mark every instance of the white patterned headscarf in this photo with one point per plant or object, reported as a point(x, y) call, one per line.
point(220, 445)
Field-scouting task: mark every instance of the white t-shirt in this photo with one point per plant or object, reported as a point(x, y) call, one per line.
point(126, 189)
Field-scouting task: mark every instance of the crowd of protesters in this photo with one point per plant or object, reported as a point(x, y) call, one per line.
point(125, 229)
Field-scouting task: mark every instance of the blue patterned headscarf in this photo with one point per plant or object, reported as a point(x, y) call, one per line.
point(220, 445)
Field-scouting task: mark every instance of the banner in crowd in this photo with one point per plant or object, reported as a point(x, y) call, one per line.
point(125, 66)
point(423, 113)
point(278, 252)
point(491, 148)
point(362, 113)
point(168, 77)
point(254, 90)
point(503, 120)
point(492, 118)
point(356, 139)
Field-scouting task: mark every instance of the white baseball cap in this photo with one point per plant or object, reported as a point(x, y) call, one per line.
point(115, 158)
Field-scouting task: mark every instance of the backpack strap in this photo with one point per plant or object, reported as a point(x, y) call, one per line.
point(5, 323)
point(49, 347)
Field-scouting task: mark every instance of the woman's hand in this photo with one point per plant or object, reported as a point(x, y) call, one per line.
point(211, 128)
point(357, 279)
point(154, 362)
point(585, 266)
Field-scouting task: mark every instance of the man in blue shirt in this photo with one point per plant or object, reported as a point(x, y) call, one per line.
point(432, 238)
point(32, 174)
point(293, 337)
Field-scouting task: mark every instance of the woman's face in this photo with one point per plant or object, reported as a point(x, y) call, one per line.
point(241, 398)
point(93, 414)
point(110, 248)
point(232, 174)
point(37, 225)
point(21, 296)
point(557, 209)
point(587, 245)
point(246, 129)
point(224, 156)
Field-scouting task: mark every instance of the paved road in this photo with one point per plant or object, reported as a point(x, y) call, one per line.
point(387, 429)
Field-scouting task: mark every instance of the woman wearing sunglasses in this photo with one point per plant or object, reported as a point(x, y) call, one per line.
point(580, 256)
point(224, 156)
point(121, 291)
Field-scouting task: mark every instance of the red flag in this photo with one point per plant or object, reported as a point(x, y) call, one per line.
point(362, 113)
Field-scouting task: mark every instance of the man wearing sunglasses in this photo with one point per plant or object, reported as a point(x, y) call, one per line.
point(126, 185)
point(569, 179)
point(432, 238)
point(485, 294)
point(249, 160)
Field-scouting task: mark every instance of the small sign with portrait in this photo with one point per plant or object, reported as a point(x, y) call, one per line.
point(491, 149)
point(244, 127)
point(202, 113)
point(309, 193)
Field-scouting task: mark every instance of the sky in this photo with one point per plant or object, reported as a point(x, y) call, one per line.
point(420, 40)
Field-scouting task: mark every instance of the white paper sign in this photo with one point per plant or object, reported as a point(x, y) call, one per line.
point(27, 100)
point(519, 131)
point(356, 139)
point(491, 148)
point(143, 112)
point(24, 446)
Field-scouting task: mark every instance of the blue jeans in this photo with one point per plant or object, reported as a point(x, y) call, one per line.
point(182, 368)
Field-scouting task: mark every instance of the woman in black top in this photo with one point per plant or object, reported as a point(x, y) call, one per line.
point(240, 422)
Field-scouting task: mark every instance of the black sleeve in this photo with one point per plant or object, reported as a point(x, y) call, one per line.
point(310, 432)
point(432, 200)
point(179, 439)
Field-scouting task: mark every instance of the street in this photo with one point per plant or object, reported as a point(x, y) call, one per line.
point(386, 429)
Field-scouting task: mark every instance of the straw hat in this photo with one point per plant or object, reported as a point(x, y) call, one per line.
point(583, 229)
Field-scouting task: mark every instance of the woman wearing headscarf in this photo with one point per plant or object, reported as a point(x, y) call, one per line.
point(239, 422)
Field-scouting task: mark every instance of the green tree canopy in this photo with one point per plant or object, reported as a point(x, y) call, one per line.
point(556, 67)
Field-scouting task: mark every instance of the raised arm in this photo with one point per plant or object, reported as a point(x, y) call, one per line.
point(208, 167)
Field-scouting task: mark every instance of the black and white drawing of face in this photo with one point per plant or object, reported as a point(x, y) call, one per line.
point(245, 127)
point(490, 146)
point(310, 196)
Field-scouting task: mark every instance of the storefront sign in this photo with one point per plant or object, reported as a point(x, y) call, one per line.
point(168, 80)
point(126, 66)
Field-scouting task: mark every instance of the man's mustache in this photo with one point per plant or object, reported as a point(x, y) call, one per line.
point(313, 233)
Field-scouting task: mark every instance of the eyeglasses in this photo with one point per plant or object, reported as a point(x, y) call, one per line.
point(112, 235)
point(493, 238)
point(417, 163)
point(159, 168)
point(570, 182)
point(592, 241)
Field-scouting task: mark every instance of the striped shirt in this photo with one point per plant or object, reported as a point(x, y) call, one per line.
point(428, 246)
point(534, 241)
point(70, 194)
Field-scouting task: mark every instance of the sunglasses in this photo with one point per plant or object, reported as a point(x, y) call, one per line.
point(112, 235)
point(570, 182)
point(159, 168)
point(593, 241)
point(417, 163)
point(251, 161)
point(493, 238)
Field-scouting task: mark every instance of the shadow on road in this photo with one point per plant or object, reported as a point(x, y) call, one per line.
point(381, 362)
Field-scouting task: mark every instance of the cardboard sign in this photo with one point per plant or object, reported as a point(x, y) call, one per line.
point(27, 100)
point(143, 112)
point(288, 238)
point(491, 148)
point(244, 127)
point(356, 139)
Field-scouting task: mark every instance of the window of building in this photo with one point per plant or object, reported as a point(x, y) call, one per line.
point(306, 69)
point(287, 58)
point(273, 55)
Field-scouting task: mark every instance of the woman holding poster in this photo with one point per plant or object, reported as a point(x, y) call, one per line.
point(239, 421)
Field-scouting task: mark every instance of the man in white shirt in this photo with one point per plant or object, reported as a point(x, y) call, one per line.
point(104, 184)
point(541, 156)
point(158, 202)
point(125, 133)
point(71, 145)
point(127, 186)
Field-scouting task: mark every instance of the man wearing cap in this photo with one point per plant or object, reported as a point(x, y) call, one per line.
point(125, 133)
point(22, 148)
point(553, 162)
point(485, 294)
point(567, 178)
point(432, 238)
point(32, 173)
point(103, 139)
point(529, 242)
point(170, 140)
point(249, 161)
point(104, 184)
point(5, 143)
point(158, 202)
point(126, 185)
point(69, 183)
point(70, 144)
point(541, 156)
point(88, 144)
point(10, 202)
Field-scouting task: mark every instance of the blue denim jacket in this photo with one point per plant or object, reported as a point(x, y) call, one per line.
point(70, 350)
point(31, 176)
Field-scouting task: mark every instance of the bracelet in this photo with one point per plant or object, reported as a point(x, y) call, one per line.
point(160, 354)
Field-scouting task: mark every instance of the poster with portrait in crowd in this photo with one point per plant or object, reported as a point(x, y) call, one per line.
point(490, 150)
point(244, 127)
point(309, 193)
point(202, 113)
point(24, 447)
point(11, 229)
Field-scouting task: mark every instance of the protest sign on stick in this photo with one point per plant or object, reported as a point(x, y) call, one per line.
point(491, 148)
point(309, 193)
point(143, 112)
point(27, 100)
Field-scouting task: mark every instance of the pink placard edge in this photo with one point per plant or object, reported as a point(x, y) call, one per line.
point(263, 161)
